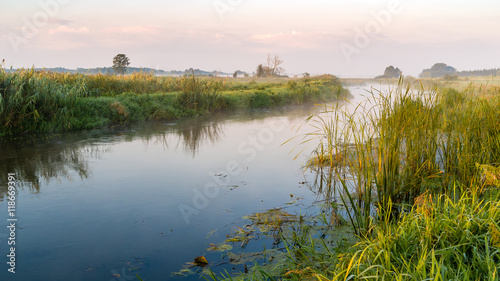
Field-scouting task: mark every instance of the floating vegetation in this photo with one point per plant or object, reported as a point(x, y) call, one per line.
point(271, 220)
point(200, 261)
point(183, 272)
point(220, 247)
point(279, 230)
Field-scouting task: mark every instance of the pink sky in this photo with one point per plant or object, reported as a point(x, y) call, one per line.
point(345, 38)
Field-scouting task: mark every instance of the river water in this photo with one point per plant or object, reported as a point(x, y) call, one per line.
point(106, 205)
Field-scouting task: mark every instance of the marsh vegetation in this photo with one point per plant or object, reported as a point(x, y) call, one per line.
point(415, 174)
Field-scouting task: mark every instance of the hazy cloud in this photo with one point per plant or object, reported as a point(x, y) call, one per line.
point(66, 29)
point(137, 29)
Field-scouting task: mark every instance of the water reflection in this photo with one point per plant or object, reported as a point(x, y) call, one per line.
point(45, 160)
point(67, 156)
point(194, 132)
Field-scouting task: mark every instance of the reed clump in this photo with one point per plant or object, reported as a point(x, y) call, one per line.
point(405, 142)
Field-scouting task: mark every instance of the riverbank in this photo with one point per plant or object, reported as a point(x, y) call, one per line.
point(415, 174)
point(44, 102)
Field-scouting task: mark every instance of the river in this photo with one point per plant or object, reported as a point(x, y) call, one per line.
point(109, 204)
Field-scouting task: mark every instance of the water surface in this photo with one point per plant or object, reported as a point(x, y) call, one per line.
point(105, 205)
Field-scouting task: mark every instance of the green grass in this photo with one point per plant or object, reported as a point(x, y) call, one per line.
point(440, 238)
point(43, 102)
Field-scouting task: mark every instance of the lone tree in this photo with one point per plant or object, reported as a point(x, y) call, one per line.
point(120, 63)
point(272, 68)
point(273, 65)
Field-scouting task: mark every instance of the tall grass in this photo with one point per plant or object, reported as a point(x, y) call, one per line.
point(440, 238)
point(402, 143)
point(202, 94)
point(28, 99)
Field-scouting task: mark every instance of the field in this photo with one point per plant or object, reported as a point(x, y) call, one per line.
point(45, 102)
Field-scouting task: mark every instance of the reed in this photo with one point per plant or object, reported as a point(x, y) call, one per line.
point(403, 142)
point(201, 94)
point(441, 238)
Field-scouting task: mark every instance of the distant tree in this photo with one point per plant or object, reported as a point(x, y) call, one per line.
point(120, 63)
point(273, 65)
point(246, 75)
point(498, 72)
point(235, 74)
point(391, 72)
point(260, 71)
point(442, 67)
point(438, 70)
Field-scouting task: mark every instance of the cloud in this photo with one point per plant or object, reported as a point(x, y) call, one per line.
point(296, 39)
point(69, 30)
point(137, 29)
point(274, 36)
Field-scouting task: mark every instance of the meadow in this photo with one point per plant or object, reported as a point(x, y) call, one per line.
point(45, 102)
point(415, 174)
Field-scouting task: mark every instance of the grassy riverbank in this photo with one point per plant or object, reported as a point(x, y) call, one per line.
point(41, 102)
point(416, 175)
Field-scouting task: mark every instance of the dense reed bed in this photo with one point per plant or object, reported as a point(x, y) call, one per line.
point(39, 101)
point(416, 175)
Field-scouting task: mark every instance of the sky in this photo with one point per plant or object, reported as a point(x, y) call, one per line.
point(347, 38)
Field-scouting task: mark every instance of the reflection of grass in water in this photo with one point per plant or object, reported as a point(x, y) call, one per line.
point(46, 162)
point(61, 157)
point(193, 135)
